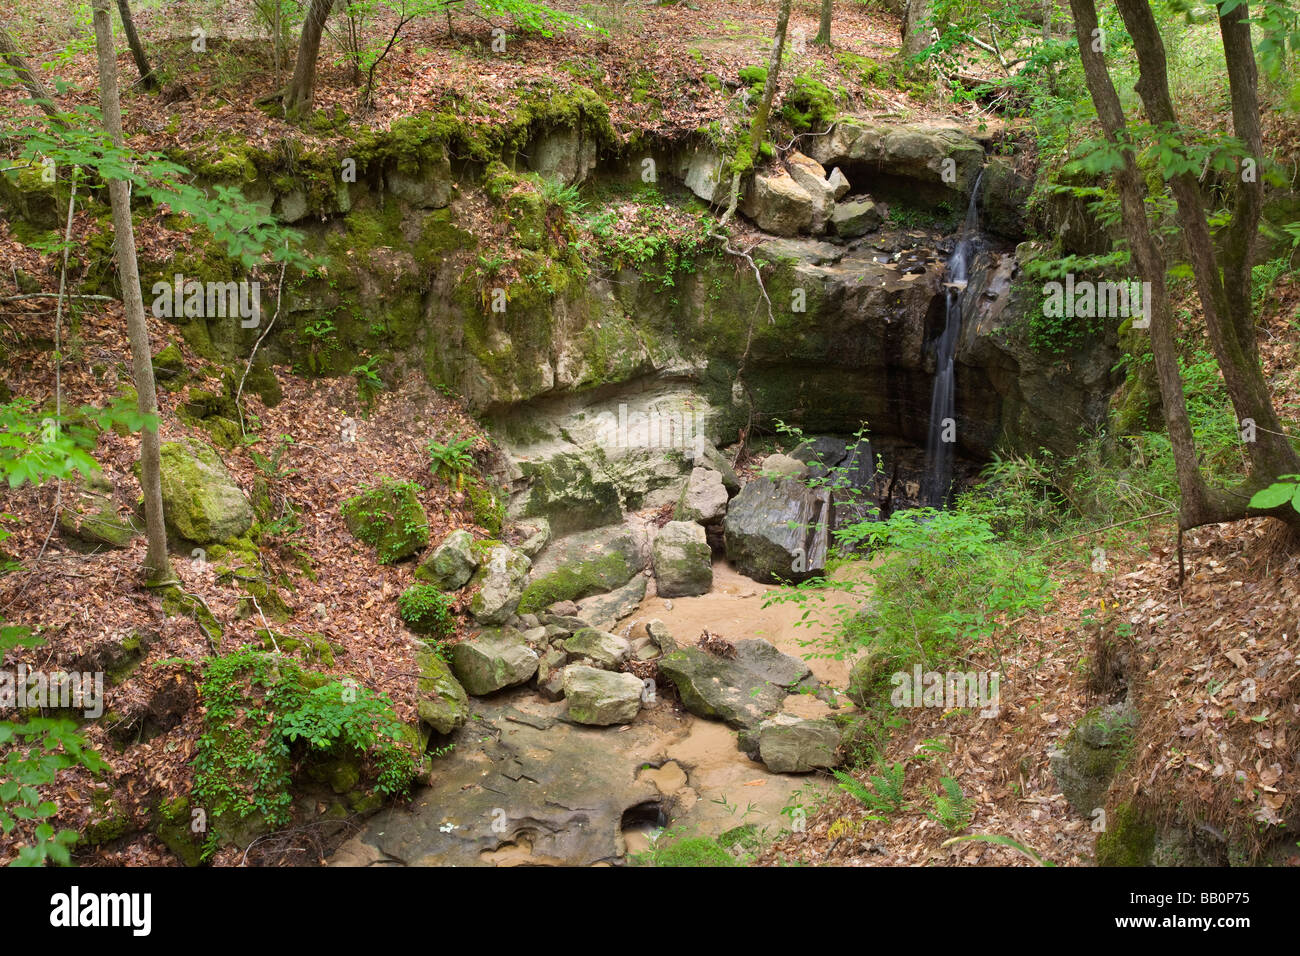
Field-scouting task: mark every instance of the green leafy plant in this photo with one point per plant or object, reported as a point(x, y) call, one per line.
point(257, 708)
point(1287, 488)
point(885, 793)
point(426, 610)
point(451, 460)
point(950, 806)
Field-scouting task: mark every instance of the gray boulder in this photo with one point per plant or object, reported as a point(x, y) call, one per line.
point(500, 580)
point(683, 560)
point(451, 564)
point(601, 698)
point(598, 648)
point(704, 497)
point(855, 218)
point(741, 691)
point(493, 659)
point(789, 744)
point(778, 204)
point(776, 531)
point(1085, 763)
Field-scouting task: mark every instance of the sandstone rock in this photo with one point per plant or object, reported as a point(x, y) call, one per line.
point(201, 501)
point(704, 497)
point(789, 744)
point(811, 176)
point(778, 204)
point(780, 466)
point(855, 218)
point(442, 701)
point(741, 691)
point(598, 648)
point(500, 580)
point(451, 564)
point(683, 561)
point(599, 697)
point(493, 659)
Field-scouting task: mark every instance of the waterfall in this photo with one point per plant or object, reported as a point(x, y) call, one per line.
point(939, 453)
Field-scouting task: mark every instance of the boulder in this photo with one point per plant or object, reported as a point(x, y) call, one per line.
point(789, 744)
point(683, 561)
point(704, 454)
point(598, 648)
point(605, 610)
point(855, 218)
point(741, 691)
point(838, 182)
point(701, 171)
point(601, 698)
point(567, 491)
point(1086, 761)
point(537, 535)
point(580, 565)
point(390, 518)
point(782, 466)
point(550, 673)
point(704, 497)
point(663, 639)
point(811, 176)
point(451, 564)
point(428, 187)
point(442, 701)
point(201, 501)
point(493, 659)
point(500, 581)
point(90, 515)
point(778, 204)
point(776, 530)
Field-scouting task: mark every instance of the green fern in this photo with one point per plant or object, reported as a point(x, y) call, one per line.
point(885, 794)
point(951, 808)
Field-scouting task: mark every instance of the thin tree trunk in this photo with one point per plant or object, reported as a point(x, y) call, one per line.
point(1225, 297)
point(157, 567)
point(302, 88)
point(759, 130)
point(915, 37)
point(1200, 505)
point(147, 78)
point(1150, 263)
point(823, 37)
point(15, 60)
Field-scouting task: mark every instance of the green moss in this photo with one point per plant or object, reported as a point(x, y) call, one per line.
point(426, 610)
point(693, 851)
point(1127, 840)
point(173, 824)
point(575, 581)
point(390, 518)
point(109, 820)
point(808, 104)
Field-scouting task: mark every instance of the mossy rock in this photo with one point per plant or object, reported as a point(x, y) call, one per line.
point(173, 824)
point(390, 518)
point(169, 367)
point(1090, 755)
point(443, 703)
point(91, 516)
point(576, 581)
point(109, 820)
point(1128, 839)
point(313, 649)
point(201, 501)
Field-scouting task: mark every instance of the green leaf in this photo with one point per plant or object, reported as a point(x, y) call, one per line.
point(1276, 494)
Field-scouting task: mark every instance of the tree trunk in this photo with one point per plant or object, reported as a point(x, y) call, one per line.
point(302, 88)
point(759, 129)
point(823, 37)
point(149, 81)
point(14, 59)
point(1243, 376)
point(157, 568)
point(915, 36)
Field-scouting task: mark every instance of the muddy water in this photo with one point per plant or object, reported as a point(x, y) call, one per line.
point(524, 787)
